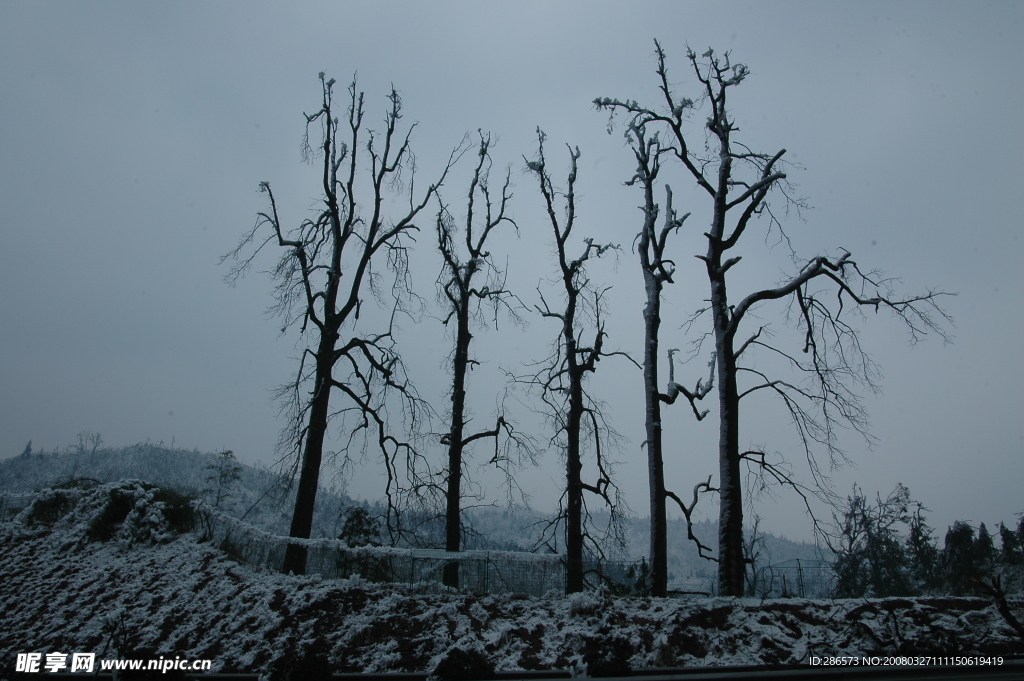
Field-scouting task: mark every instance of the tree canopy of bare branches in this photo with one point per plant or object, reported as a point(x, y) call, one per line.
point(328, 262)
point(469, 279)
point(579, 423)
point(824, 292)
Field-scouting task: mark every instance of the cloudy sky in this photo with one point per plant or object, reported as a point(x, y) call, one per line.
point(133, 138)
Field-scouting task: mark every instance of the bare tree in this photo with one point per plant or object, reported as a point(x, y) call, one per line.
point(89, 441)
point(328, 261)
point(469, 279)
point(658, 270)
point(823, 294)
point(578, 419)
point(225, 471)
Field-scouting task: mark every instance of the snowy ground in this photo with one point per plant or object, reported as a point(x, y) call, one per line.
point(144, 591)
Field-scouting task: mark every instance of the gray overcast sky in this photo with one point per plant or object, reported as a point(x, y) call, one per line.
point(133, 138)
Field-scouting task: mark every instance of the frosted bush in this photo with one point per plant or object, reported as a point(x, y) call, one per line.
point(583, 603)
point(125, 512)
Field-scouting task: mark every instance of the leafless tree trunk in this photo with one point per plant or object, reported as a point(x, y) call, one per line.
point(563, 377)
point(657, 271)
point(320, 280)
point(738, 180)
point(463, 295)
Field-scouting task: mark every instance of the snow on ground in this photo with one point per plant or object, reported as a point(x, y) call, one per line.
point(91, 579)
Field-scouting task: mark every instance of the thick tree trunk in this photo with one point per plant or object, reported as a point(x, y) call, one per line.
point(453, 512)
point(574, 491)
point(312, 456)
point(655, 461)
point(730, 518)
point(574, 514)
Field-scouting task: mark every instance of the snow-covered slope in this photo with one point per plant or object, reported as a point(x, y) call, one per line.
point(259, 496)
point(117, 578)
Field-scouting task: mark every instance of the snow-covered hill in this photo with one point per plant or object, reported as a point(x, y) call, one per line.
point(110, 572)
point(259, 495)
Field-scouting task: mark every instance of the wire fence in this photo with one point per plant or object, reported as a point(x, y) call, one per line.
point(797, 577)
point(478, 571)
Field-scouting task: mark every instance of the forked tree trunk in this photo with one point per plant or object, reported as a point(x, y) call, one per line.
point(731, 569)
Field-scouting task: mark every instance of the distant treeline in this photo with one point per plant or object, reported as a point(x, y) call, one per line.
point(885, 548)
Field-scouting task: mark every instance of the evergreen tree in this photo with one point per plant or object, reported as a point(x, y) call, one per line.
point(1011, 553)
point(922, 554)
point(959, 559)
point(359, 528)
point(986, 549)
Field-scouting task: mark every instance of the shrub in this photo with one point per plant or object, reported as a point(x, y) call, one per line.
point(607, 656)
point(177, 509)
point(104, 526)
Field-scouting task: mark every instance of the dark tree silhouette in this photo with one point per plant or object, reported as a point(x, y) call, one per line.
point(470, 278)
point(986, 548)
point(359, 527)
point(960, 559)
point(922, 554)
point(1011, 550)
point(328, 261)
point(870, 554)
point(823, 293)
point(562, 378)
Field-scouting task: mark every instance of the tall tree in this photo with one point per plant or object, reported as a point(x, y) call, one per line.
point(470, 278)
point(328, 261)
point(823, 292)
point(579, 423)
point(658, 270)
point(986, 548)
point(960, 559)
point(1011, 551)
point(922, 553)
